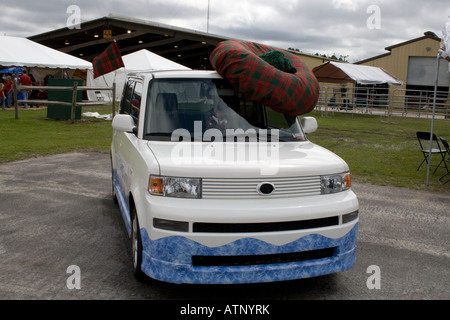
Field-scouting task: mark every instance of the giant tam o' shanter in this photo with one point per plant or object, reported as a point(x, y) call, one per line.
point(275, 78)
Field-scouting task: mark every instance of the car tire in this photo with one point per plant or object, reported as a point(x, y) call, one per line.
point(136, 247)
point(113, 192)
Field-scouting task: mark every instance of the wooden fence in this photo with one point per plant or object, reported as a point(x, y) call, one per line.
point(17, 88)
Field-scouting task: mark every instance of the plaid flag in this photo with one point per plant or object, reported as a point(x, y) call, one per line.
point(109, 60)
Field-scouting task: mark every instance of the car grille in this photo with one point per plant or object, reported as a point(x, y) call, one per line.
point(265, 227)
point(248, 188)
point(203, 227)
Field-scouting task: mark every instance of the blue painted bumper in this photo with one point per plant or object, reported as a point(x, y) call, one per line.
point(170, 259)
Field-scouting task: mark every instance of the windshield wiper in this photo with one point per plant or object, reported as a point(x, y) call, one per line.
point(159, 134)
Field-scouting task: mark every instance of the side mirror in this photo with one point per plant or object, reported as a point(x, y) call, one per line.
point(309, 124)
point(123, 123)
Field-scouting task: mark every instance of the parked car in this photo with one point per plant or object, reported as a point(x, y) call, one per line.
point(216, 189)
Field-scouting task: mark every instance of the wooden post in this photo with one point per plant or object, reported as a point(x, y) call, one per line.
point(74, 101)
point(114, 100)
point(16, 105)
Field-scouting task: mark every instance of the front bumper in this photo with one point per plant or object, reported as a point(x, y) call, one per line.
point(170, 259)
point(171, 256)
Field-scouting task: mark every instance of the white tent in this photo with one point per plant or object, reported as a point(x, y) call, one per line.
point(144, 60)
point(22, 52)
point(336, 72)
point(139, 61)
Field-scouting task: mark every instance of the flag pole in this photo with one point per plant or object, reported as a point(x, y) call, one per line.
point(207, 19)
point(443, 52)
point(432, 118)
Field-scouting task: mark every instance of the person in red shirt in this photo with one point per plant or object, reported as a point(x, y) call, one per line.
point(25, 80)
point(2, 95)
point(8, 91)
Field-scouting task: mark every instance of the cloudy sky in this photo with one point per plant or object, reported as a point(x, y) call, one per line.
point(355, 29)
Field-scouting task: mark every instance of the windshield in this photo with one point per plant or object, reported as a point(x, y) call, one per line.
point(210, 109)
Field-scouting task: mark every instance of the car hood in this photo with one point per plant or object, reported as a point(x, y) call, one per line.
point(244, 160)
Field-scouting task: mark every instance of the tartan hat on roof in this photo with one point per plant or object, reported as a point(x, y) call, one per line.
point(263, 76)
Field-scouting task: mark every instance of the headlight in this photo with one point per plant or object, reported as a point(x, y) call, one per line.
point(335, 183)
point(175, 187)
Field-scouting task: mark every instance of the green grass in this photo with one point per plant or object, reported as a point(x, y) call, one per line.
point(378, 151)
point(33, 135)
point(381, 151)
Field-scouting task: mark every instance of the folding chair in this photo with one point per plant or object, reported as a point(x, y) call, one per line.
point(445, 144)
point(424, 142)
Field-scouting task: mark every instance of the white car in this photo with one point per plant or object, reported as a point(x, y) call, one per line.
point(214, 189)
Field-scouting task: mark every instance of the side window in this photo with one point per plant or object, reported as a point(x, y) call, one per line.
point(136, 98)
point(125, 104)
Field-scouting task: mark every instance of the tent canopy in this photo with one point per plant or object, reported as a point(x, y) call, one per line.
point(22, 52)
point(144, 60)
point(139, 61)
point(335, 72)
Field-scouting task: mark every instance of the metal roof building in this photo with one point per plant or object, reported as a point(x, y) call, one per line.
point(413, 62)
point(188, 47)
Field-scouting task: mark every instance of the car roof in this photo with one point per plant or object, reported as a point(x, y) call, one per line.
point(199, 74)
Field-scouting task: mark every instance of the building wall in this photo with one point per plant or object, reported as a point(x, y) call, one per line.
point(396, 63)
